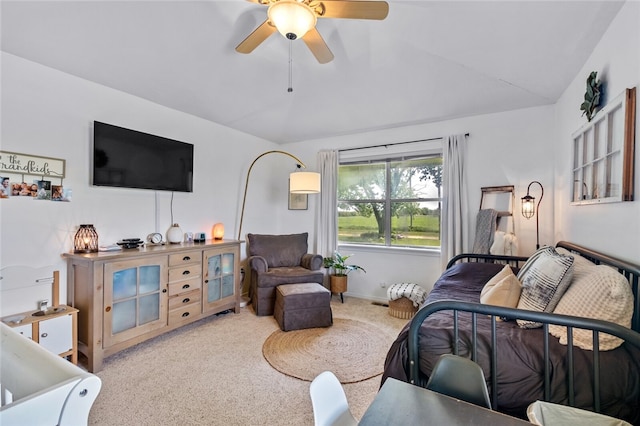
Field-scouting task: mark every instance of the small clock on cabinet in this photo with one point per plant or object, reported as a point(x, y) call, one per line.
point(154, 238)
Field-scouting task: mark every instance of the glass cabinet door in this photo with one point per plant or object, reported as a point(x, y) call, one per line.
point(135, 298)
point(220, 277)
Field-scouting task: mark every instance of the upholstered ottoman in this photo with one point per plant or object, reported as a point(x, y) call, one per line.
point(305, 305)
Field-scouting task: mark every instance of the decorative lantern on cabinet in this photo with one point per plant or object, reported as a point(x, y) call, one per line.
point(85, 240)
point(218, 231)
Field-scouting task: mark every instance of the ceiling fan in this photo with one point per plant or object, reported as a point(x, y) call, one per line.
point(297, 19)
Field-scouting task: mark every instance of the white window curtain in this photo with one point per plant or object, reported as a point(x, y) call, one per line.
point(327, 223)
point(455, 206)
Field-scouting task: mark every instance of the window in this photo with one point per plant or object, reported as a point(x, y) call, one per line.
point(390, 202)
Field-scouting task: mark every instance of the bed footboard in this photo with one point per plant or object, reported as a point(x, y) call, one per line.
point(496, 312)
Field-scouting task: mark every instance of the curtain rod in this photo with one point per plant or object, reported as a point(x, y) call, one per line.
point(392, 144)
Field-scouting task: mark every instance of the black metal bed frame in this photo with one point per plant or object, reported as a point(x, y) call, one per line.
point(630, 336)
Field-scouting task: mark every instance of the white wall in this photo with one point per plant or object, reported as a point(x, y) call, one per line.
point(49, 113)
point(510, 148)
point(612, 228)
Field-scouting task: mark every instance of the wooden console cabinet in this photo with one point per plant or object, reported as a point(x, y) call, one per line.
point(129, 296)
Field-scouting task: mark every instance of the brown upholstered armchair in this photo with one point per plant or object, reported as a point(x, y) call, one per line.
point(279, 259)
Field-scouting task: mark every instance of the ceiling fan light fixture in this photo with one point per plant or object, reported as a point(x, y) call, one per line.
point(292, 18)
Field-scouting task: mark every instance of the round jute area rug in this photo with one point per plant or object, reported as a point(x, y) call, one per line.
point(352, 350)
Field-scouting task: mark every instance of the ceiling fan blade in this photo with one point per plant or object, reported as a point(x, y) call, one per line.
point(254, 39)
point(351, 9)
point(318, 47)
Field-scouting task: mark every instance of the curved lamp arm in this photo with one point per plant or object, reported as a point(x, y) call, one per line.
point(246, 183)
point(529, 213)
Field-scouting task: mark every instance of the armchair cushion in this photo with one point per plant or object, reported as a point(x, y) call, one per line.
point(279, 250)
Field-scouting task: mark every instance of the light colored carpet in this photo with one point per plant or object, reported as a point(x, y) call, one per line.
point(351, 349)
point(212, 372)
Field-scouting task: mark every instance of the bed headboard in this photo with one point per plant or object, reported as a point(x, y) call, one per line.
point(630, 271)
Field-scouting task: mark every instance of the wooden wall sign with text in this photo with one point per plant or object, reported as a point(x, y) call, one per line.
point(25, 164)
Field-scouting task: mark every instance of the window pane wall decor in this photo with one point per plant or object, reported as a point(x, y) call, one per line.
point(603, 152)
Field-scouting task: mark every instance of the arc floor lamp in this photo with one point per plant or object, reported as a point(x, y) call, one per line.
point(299, 182)
point(529, 209)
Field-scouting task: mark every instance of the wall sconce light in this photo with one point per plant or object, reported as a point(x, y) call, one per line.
point(300, 182)
point(529, 209)
point(85, 240)
point(218, 231)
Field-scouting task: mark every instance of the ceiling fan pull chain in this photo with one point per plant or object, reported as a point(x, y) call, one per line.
point(290, 89)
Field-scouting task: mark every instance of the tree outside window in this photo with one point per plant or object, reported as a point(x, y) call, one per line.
point(392, 202)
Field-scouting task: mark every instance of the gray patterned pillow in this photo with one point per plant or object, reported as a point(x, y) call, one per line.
point(545, 277)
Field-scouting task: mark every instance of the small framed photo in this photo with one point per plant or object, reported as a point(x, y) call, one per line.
point(5, 188)
point(298, 201)
point(44, 189)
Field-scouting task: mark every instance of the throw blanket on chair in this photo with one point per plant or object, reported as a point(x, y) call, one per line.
point(413, 292)
point(486, 223)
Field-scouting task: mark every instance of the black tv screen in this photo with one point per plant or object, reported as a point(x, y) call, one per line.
point(130, 159)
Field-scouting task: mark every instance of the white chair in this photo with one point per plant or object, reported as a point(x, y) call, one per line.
point(330, 406)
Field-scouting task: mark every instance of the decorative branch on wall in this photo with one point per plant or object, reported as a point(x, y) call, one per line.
point(15, 166)
point(591, 96)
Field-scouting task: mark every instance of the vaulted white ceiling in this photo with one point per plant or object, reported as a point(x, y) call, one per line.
point(428, 61)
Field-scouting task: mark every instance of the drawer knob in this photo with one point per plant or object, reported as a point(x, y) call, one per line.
point(186, 272)
point(186, 314)
point(187, 300)
point(43, 335)
point(186, 258)
point(185, 286)
point(164, 290)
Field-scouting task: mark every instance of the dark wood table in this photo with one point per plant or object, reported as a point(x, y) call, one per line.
point(400, 403)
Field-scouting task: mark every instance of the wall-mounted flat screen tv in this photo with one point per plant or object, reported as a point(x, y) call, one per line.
point(127, 158)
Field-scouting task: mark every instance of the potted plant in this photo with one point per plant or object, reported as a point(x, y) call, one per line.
point(341, 269)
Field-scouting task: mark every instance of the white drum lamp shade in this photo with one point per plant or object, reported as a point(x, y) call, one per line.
point(304, 183)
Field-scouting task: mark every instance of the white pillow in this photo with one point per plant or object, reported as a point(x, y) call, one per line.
point(598, 292)
point(544, 277)
point(498, 243)
point(502, 290)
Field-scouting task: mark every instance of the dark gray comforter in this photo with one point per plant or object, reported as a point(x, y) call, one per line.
point(520, 354)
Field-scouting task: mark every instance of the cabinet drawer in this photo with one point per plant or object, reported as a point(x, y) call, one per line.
point(185, 272)
point(185, 314)
point(184, 258)
point(176, 302)
point(184, 286)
